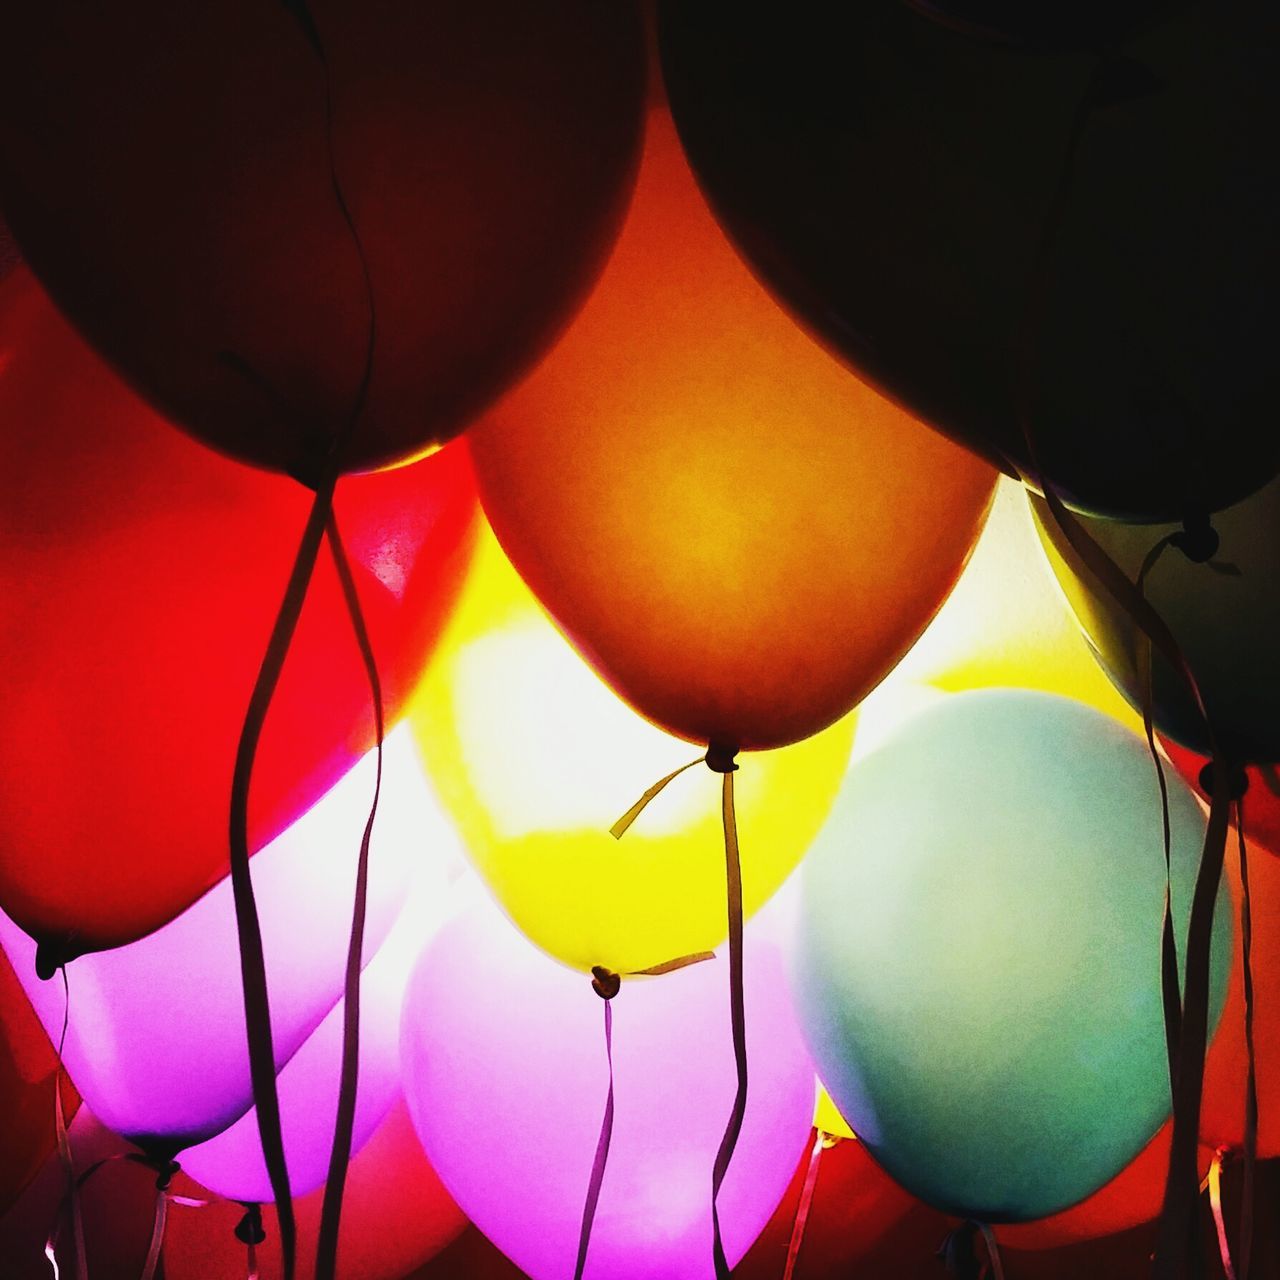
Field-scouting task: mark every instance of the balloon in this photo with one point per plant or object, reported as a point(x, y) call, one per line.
point(140, 575)
point(203, 187)
point(1089, 25)
point(892, 179)
point(741, 538)
point(155, 1038)
point(28, 1075)
point(534, 757)
point(1007, 625)
point(231, 1164)
point(1225, 615)
point(1222, 1109)
point(977, 967)
point(505, 1075)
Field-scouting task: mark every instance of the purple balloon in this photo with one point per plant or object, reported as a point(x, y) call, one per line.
point(156, 1037)
point(232, 1165)
point(506, 1078)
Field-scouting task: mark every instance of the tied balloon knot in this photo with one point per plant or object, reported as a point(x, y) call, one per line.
point(1197, 539)
point(721, 758)
point(53, 955)
point(166, 1171)
point(604, 982)
point(1237, 781)
point(249, 1230)
point(960, 1253)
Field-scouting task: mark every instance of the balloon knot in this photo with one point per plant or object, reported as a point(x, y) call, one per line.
point(721, 758)
point(52, 956)
point(604, 982)
point(1197, 539)
point(165, 1174)
point(249, 1230)
point(958, 1252)
point(1237, 781)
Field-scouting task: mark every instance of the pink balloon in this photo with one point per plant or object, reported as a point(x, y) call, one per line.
point(156, 1037)
point(506, 1079)
point(231, 1165)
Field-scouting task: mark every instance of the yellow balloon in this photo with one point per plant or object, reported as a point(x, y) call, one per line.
point(827, 1118)
point(1007, 624)
point(535, 759)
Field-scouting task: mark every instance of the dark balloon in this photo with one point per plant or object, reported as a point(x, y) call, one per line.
point(891, 178)
point(164, 168)
point(1051, 24)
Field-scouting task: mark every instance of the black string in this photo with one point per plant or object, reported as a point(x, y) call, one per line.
point(344, 1124)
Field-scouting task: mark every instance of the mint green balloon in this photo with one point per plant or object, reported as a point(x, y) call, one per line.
point(977, 961)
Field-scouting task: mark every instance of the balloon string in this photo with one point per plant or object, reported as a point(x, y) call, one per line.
point(804, 1204)
point(606, 992)
point(1251, 1088)
point(993, 1251)
point(71, 1198)
point(1170, 992)
point(344, 1124)
point(1178, 1222)
point(1215, 1204)
point(623, 824)
point(733, 884)
point(250, 1233)
point(157, 1235)
point(253, 972)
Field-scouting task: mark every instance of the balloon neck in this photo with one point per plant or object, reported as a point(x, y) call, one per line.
point(721, 758)
point(1237, 781)
point(959, 1252)
point(249, 1230)
point(53, 955)
point(166, 1171)
point(1197, 539)
point(604, 982)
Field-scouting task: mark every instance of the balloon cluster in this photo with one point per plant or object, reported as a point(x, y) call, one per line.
point(575, 383)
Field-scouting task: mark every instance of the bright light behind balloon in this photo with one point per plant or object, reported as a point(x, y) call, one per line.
point(156, 1038)
point(536, 758)
point(506, 1080)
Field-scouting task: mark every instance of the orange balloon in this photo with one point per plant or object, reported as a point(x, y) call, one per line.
point(738, 534)
point(1222, 1110)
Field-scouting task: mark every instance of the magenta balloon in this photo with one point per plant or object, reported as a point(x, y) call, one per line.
point(231, 1165)
point(156, 1036)
point(505, 1075)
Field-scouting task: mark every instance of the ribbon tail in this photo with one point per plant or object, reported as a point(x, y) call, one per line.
point(733, 883)
point(623, 824)
point(602, 1154)
point(71, 1198)
point(253, 971)
point(1251, 1088)
point(344, 1123)
point(1214, 1181)
point(804, 1204)
point(157, 1236)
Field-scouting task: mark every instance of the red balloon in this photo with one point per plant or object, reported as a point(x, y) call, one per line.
point(141, 576)
point(1261, 799)
point(28, 1073)
point(167, 170)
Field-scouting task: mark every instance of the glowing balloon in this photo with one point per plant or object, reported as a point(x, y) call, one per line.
point(156, 1042)
point(739, 536)
point(483, 150)
point(978, 959)
point(506, 1079)
point(231, 1164)
point(535, 758)
point(140, 574)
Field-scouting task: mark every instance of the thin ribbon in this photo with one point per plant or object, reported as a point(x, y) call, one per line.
point(344, 1122)
point(804, 1204)
point(623, 824)
point(250, 1233)
point(1170, 992)
point(1177, 1249)
point(733, 883)
point(605, 985)
point(71, 1197)
point(1214, 1181)
point(1251, 1087)
point(257, 1007)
